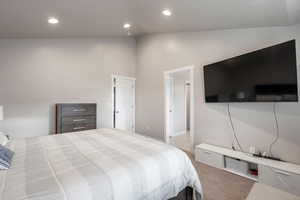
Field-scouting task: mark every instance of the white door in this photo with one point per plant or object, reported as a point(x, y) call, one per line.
point(124, 103)
point(187, 105)
point(169, 106)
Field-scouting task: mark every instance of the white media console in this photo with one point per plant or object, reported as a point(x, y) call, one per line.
point(281, 175)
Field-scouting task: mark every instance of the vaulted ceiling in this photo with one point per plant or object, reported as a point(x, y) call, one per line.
point(92, 18)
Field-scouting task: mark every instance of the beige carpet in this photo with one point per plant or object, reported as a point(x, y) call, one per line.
point(182, 142)
point(221, 185)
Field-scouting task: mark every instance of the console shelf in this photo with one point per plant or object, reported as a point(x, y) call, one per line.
point(241, 174)
point(281, 175)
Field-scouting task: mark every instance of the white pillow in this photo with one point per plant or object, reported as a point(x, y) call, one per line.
point(3, 139)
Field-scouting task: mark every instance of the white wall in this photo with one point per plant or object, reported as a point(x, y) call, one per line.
point(37, 73)
point(254, 121)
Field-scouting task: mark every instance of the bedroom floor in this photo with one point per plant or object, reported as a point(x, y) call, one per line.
point(182, 141)
point(221, 185)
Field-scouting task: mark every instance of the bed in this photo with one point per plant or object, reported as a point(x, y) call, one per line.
point(102, 164)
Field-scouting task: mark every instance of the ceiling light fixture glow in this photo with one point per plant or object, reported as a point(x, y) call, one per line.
point(167, 12)
point(53, 20)
point(126, 26)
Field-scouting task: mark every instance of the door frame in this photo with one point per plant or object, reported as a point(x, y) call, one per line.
point(191, 69)
point(113, 77)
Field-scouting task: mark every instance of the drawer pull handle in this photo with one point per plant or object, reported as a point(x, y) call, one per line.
point(78, 120)
point(79, 110)
point(282, 173)
point(78, 128)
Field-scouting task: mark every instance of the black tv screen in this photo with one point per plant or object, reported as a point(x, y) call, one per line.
point(267, 75)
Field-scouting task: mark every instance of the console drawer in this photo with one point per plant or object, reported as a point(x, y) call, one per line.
point(210, 158)
point(280, 179)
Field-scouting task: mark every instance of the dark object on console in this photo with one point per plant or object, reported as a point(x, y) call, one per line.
point(253, 172)
point(75, 117)
point(267, 157)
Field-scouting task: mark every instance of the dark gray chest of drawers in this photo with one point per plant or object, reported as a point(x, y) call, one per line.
point(75, 117)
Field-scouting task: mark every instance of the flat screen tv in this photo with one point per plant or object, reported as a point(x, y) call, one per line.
point(266, 75)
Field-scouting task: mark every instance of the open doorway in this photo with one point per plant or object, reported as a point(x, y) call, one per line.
point(179, 104)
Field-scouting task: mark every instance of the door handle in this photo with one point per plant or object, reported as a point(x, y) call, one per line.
point(117, 111)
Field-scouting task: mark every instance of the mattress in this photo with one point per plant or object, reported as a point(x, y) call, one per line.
point(102, 164)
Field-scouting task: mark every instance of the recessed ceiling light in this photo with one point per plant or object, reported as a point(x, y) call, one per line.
point(126, 26)
point(53, 20)
point(167, 12)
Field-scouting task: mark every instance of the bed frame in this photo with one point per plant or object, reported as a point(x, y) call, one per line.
point(186, 194)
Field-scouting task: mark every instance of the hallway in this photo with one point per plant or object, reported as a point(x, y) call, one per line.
point(182, 142)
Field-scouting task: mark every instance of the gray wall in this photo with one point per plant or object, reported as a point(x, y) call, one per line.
point(254, 121)
point(37, 73)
